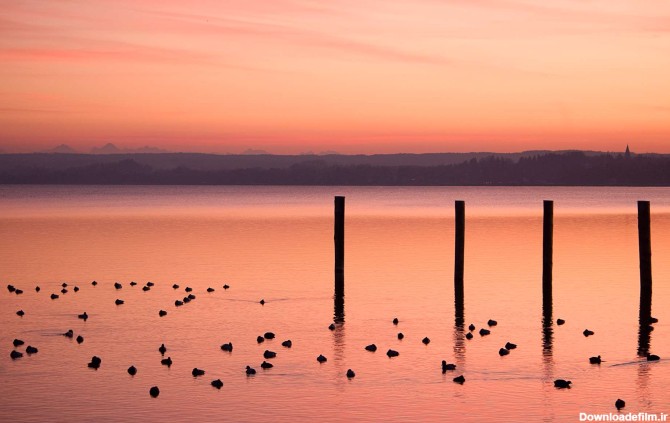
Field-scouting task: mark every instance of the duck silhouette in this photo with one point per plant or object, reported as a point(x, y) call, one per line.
point(210, 289)
point(652, 357)
point(287, 343)
point(118, 302)
point(226, 286)
point(595, 360)
point(395, 320)
point(471, 327)
point(266, 365)
point(492, 322)
point(162, 349)
point(392, 353)
point(95, 362)
point(400, 335)
point(197, 372)
point(15, 354)
point(162, 313)
point(227, 347)
point(510, 346)
point(459, 379)
point(560, 322)
point(562, 383)
point(17, 342)
point(132, 370)
point(321, 359)
point(80, 339)
point(619, 404)
point(588, 332)
point(217, 384)
point(269, 335)
point(446, 366)
point(484, 332)
point(371, 348)
point(83, 316)
point(351, 374)
point(117, 285)
point(503, 352)
point(468, 335)
point(69, 334)
point(251, 371)
point(31, 350)
point(154, 391)
point(269, 354)
point(167, 362)
point(426, 340)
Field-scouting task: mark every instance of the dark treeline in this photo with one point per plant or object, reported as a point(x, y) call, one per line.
point(575, 168)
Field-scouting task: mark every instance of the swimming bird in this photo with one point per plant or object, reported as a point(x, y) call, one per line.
point(426, 340)
point(31, 350)
point(188, 289)
point(18, 342)
point(588, 332)
point(250, 371)
point(269, 354)
point(178, 303)
point(18, 291)
point(510, 346)
point(652, 357)
point(619, 404)
point(11, 288)
point(266, 365)
point(446, 366)
point(503, 352)
point(191, 297)
point(227, 347)
point(154, 391)
point(492, 322)
point(117, 285)
point(484, 332)
point(37, 289)
point(350, 374)
point(167, 361)
point(186, 300)
point(80, 339)
point(269, 335)
point(260, 339)
point(371, 348)
point(132, 371)
point(226, 286)
point(471, 327)
point(63, 291)
point(15, 354)
point(69, 333)
point(469, 335)
point(262, 302)
point(54, 296)
point(400, 335)
point(94, 283)
point(392, 353)
point(118, 302)
point(150, 284)
point(287, 343)
point(146, 288)
point(162, 313)
point(83, 316)
point(75, 289)
point(95, 362)
point(162, 349)
point(20, 313)
point(595, 360)
point(561, 383)
point(331, 326)
point(133, 283)
point(217, 384)
point(175, 286)
point(395, 320)
point(560, 322)
point(210, 289)
point(459, 379)
point(197, 372)
point(321, 359)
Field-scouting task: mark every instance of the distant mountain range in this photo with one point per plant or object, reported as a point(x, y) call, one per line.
point(108, 148)
point(115, 166)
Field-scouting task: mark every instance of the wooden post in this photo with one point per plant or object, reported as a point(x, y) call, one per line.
point(644, 236)
point(459, 253)
point(547, 251)
point(339, 246)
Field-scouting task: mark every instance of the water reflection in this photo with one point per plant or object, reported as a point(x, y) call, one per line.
point(459, 325)
point(547, 329)
point(645, 328)
point(339, 298)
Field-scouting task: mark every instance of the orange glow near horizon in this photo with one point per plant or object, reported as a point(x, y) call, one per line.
point(289, 76)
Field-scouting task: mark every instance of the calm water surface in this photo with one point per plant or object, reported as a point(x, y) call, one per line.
point(276, 243)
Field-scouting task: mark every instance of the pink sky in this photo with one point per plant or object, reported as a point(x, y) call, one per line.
point(360, 76)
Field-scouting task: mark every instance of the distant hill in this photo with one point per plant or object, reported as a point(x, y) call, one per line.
point(110, 148)
point(62, 149)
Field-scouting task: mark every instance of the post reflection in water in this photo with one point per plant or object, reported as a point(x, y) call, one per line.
point(644, 331)
point(339, 298)
point(459, 326)
point(547, 333)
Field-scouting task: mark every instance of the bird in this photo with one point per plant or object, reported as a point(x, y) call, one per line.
point(471, 327)
point(503, 352)
point(446, 366)
point(227, 347)
point(652, 357)
point(426, 340)
point(15, 354)
point(197, 372)
point(191, 297)
point(31, 350)
point(146, 288)
point(210, 289)
point(321, 359)
point(510, 346)
point(186, 300)
point(178, 303)
point(468, 335)
point(226, 286)
point(331, 326)
point(76, 289)
point(395, 320)
point(132, 371)
point(492, 322)
point(175, 286)
point(94, 283)
point(20, 313)
point(560, 322)
point(269, 354)
point(588, 332)
point(250, 371)
point(561, 383)
point(11, 288)
point(63, 291)
point(80, 339)
point(350, 374)
point(269, 335)
point(260, 339)
point(118, 302)
point(619, 404)
point(484, 332)
point(133, 283)
point(69, 334)
point(95, 362)
point(459, 379)
point(18, 291)
point(188, 289)
point(162, 349)
point(17, 342)
point(392, 353)
point(150, 284)
point(117, 285)
point(287, 343)
point(162, 313)
point(154, 391)
point(64, 285)
point(372, 348)
point(167, 361)
point(54, 296)
point(37, 289)
point(262, 302)
point(83, 316)
point(217, 384)
point(595, 360)
point(266, 365)
point(400, 335)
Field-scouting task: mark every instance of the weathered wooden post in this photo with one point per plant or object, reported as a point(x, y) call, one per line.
point(459, 254)
point(547, 251)
point(339, 247)
point(644, 239)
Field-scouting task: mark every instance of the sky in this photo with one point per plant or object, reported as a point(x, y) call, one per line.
point(352, 76)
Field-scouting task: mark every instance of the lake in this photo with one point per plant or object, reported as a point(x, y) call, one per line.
point(276, 244)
